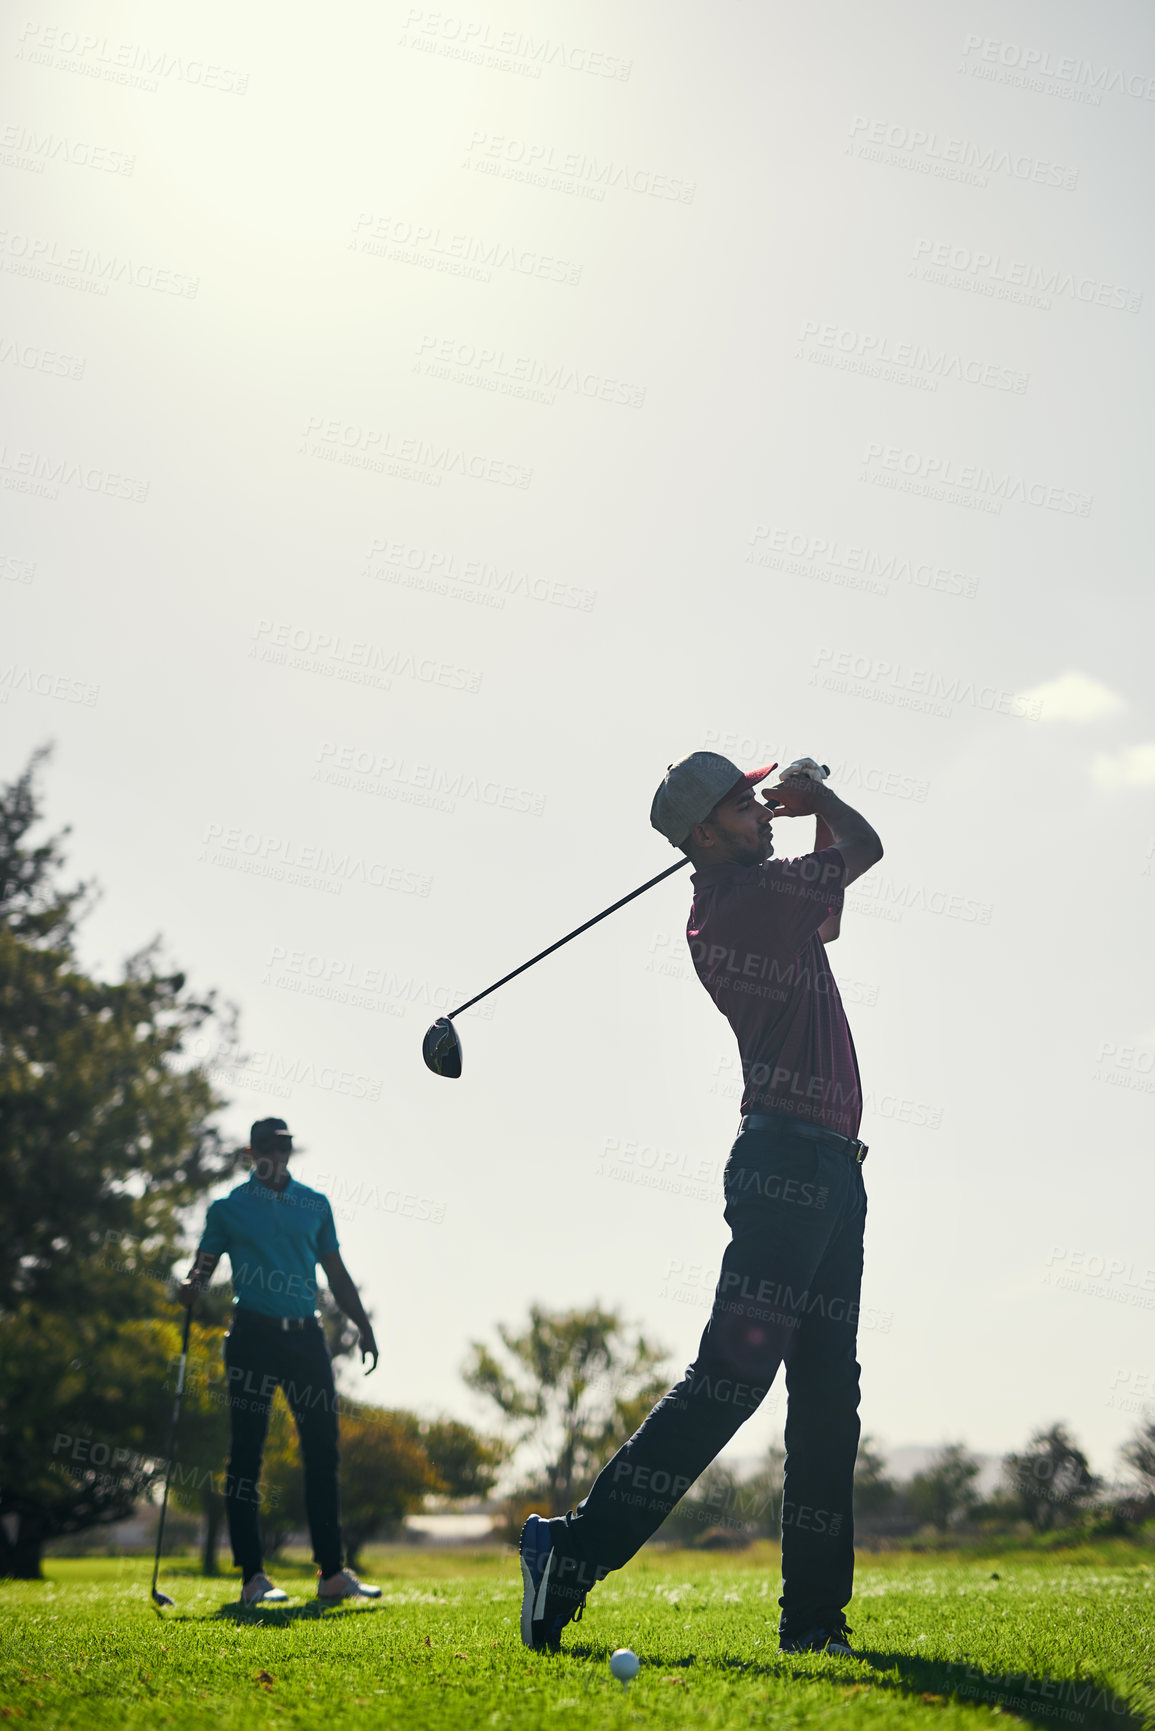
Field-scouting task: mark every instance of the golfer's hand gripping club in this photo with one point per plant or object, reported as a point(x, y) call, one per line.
point(793, 793)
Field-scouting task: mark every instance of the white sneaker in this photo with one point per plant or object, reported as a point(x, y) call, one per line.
point(261, 1591)
point(344, 1585)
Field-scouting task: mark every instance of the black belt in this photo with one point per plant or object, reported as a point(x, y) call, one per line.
point(848, 1145)
point(286, 1324)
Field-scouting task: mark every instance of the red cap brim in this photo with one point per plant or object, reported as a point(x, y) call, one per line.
point(751, 779)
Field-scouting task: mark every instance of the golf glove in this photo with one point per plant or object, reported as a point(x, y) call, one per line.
point(805, 766)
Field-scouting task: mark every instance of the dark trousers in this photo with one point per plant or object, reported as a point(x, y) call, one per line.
point(788, 1294)
point(258, 1358)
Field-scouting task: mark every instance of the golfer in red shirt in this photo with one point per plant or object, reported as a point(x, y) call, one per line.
point(788, 1292)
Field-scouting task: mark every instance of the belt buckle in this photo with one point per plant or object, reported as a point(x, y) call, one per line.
point(859, 1151)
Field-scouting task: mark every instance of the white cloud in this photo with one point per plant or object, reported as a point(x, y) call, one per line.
point(1134, 766)
point(1073, 697)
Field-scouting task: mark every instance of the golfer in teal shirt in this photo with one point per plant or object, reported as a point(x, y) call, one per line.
point(274, 1240)
point(275, 1232)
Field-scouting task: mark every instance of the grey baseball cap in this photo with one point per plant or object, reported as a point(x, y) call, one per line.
point(692, 787)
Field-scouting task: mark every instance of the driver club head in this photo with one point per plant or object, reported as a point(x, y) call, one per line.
point(441, 1048)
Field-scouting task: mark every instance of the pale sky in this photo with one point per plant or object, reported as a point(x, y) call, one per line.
point(421, 428)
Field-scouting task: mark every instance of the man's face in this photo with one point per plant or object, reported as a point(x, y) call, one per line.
point(270, 1161)
point(739, 830)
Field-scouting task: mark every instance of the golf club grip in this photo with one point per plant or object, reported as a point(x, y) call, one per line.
point(183, 1354)
point(576, 933)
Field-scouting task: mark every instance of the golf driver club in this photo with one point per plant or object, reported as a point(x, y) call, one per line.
point(441, 1047)
point(159, 1598)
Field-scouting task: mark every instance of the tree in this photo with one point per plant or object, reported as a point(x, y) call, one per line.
point(874, 1490)
point(571, 1386)
point(81, 1439)
point(198, 1470)
point(945, 1487)
point(1050, 1478)
point(709, 1508)
point(465, 1463)
point(104, 1137)
point(390, 1462)
point(721, 1503)
point(761, 1495)
point(282, 1490)
point(386, 1473)
point(1139, 1454)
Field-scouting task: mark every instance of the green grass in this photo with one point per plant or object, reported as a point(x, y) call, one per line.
point(1063, 1640)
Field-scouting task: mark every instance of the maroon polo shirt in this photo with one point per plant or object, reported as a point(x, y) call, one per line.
point(753, 939)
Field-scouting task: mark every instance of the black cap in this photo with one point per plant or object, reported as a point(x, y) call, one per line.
point(270, 1135)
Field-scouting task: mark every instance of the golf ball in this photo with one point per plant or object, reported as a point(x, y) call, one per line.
point(625, 1665)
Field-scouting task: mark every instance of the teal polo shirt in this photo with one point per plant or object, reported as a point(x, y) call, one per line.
point(273, 1240)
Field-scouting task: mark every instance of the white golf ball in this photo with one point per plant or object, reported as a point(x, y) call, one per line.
point(625, 1665)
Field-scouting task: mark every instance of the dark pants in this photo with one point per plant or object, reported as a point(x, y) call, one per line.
point(257, 1358)
point(788, 1294)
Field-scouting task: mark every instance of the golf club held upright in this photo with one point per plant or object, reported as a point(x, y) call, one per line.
point(159, 1598)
